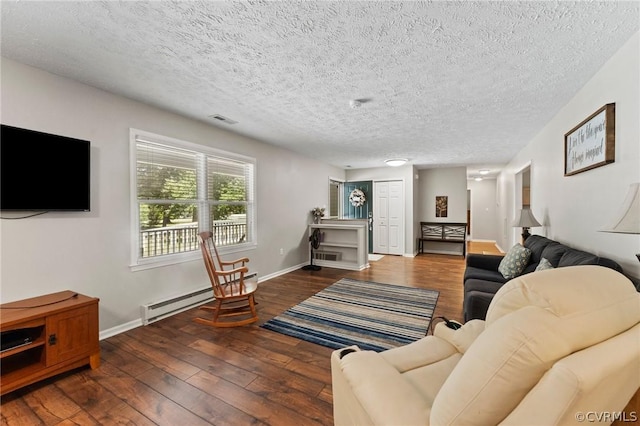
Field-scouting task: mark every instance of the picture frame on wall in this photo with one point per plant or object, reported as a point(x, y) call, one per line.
point(592, 143)
point(442, 205)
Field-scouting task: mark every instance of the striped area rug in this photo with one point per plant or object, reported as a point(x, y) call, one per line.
point(372, 315)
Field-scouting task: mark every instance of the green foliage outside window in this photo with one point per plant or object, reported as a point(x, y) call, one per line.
point(179, 185)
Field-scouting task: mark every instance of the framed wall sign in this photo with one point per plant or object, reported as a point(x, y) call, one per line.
point(591, 143)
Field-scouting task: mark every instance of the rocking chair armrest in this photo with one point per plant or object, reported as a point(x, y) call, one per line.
point(242, 269)
point(233, 262)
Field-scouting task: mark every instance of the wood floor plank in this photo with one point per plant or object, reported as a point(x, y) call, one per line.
point(311, 406)
point(98, 402)
point(16, 412)
point(261, 368)
point(195, 400)
point(151, 403)
point(146, 351)
point(51, 405)
point(260, 407)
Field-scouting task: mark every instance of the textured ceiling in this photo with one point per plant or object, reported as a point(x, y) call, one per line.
point(445, 83)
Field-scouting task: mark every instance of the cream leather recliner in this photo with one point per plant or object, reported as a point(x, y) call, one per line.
point(559, 346)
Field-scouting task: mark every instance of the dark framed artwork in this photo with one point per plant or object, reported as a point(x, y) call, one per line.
point(442, 204)
point(591, 143)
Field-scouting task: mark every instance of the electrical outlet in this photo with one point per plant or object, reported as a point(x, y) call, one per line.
point(281, 251)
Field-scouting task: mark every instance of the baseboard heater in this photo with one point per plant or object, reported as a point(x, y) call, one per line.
point(327, 255)
point(155, 311)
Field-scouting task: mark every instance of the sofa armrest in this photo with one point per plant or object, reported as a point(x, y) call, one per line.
point(383, 398)
point(461, 338)
point(426, 351)
point(484, 261)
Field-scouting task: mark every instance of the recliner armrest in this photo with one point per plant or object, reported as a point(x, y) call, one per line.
point(461, 338)
point(484, 261)
point(386, 396)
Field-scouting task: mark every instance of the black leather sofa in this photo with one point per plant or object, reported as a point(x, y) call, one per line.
point(482, 279)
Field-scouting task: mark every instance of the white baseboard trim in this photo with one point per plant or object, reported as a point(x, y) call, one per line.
point(453, 253)
point(110, 332)
point(281, 272)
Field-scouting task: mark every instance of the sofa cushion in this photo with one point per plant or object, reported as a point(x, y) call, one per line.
point(476, 304)
point(473, 273)
point(554, 252)
point(514, 262)
point(544, 265)
point(536, 243)
point(500, 368)
point(573, 257)
point(482, 286)
point(582, 295)
point(484, 261)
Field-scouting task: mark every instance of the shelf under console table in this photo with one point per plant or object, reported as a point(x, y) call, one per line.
point(342, 246)
point(47, 335)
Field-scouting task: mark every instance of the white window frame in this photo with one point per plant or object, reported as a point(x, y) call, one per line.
point(140, 263)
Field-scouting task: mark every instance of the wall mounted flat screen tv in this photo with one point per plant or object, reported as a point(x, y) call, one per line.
point(43, 172)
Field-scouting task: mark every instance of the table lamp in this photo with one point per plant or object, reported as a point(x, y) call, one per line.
point(526, 221)
point(628, 219)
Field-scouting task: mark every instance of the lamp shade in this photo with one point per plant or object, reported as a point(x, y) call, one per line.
point(628, 219)
point(526, 219)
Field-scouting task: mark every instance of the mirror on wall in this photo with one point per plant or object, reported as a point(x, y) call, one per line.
point(526, 187)
point(335, 195)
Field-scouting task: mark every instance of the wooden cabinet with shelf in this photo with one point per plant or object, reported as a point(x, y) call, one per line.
point(342, 246)
point(45, 336)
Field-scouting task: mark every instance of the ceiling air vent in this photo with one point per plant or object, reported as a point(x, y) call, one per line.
point(223, 119)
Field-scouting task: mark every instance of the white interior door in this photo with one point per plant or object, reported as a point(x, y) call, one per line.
point(388, 220)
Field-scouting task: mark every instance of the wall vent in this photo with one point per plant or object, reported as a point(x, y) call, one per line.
point(222, 118)
point(327, 255)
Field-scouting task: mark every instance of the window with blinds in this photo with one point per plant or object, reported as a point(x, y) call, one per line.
point(182, 189)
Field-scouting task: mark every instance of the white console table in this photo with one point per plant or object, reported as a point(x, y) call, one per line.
point(342, 246)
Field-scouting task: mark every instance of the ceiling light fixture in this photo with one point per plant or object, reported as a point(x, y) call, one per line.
point(484, 172)
point(478, 179)
point(395, 162)
point(355, 103)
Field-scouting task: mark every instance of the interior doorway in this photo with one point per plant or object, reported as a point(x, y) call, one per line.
point(522, 198)
point(468, 212)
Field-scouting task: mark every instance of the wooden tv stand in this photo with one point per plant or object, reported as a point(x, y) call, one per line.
point(57, 332)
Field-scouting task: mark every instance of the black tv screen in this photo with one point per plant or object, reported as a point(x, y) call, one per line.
point(43, 172)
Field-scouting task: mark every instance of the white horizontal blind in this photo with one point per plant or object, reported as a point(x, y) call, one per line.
point(165, 173)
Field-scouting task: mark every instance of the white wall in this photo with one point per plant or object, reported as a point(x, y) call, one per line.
point(483, 210)
point(573, 209)
point(451, 182)
point(89, 252)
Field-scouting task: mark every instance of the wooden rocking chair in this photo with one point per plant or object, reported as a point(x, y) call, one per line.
point(234, 298)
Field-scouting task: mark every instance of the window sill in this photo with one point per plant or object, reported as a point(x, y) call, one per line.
point(175, 259)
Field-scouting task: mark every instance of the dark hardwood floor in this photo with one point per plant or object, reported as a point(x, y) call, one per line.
point(177, 372)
